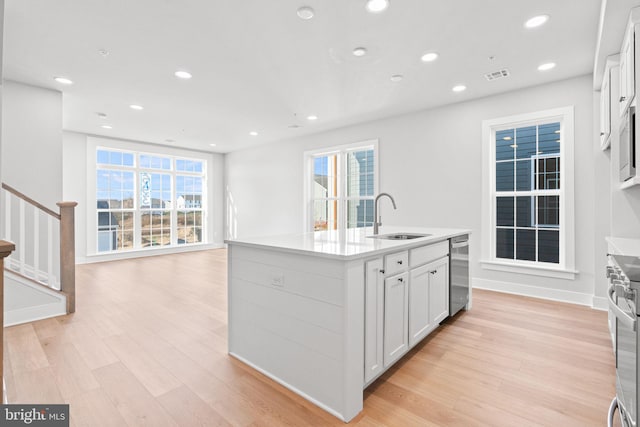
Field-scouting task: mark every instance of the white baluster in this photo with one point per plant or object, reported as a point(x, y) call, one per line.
point(21, 250)
point(7, 215)
point(36, 243)
point(52, 279)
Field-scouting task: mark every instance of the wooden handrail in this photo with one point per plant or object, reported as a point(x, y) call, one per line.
point(30, 200)
point(5, 250)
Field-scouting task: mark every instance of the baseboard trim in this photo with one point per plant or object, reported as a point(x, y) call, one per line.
point(600, 303)
point(31, 314)
point(141, 253)
point(535, 291)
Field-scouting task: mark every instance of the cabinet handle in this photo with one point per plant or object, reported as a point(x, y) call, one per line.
point(623, 98)
point(433, 272)
point(400, 262)
point(381, 271)
point(400, 279)
point(601, 133)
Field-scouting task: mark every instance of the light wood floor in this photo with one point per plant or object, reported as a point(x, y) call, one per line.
point(147, 346)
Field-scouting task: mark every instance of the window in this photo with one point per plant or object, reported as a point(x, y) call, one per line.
point(341, 186)
point(145, 200)
point(528, 182)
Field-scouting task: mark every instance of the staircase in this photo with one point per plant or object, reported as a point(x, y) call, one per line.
point(39, 276)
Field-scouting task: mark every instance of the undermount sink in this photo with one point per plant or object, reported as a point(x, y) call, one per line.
point(399, 236)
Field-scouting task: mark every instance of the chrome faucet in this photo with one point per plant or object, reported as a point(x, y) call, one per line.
point(377, 222)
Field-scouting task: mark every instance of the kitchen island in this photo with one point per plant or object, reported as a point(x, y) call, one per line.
point(326, 313)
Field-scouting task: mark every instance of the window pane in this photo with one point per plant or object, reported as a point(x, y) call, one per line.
point(325, 176)
point(504, 211)
point(127, 159)
point(504, 141)
point(504, 243)
point(526, 245)
point(524, 176)
point(103, 157)
point(549, 139)
point(549, 211)
point(504, 176)
point(360, 213)
point(526, 142)
point(524, 212)
point(155, 228)
point(325, 215)
point(549, 246)
point(360, 173)
point(115, 158)
point(548, 173)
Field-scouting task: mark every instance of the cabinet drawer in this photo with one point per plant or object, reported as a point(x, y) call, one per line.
point(424, 254)
point(395, 263)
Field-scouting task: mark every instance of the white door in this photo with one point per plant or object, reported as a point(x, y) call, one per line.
point(395, 318)
point(419, 319)
point(439, 290)
point(373, 319)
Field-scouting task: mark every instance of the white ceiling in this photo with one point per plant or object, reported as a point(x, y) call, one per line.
point(258, 67)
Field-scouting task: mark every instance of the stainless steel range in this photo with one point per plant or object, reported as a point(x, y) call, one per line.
point(624, 304)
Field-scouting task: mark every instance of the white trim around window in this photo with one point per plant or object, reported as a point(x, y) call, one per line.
point(565, 268)
point(341, 197)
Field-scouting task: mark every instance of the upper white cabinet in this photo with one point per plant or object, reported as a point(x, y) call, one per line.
point(605, 110)
point(627, 71)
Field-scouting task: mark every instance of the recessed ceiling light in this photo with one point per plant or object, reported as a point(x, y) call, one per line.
point(459, 88)
point(136, 107)
point(183, 74)
point(558, 141)
point(253, 133)
point(63, 80)
point(514, 146)
point(536, 21)
point(539, 152)
point(557, 131)
point(103, 52)
point(106, 127)
point(312, 117)
point(429, 57)
point(507, 138)
point(377, 6)
point(101, 115)
point(359, 51)
point(212, 145)
point(547, 66)
point(305, 12)
point(397, 78)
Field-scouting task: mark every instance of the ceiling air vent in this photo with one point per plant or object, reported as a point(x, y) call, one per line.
point(497, 74)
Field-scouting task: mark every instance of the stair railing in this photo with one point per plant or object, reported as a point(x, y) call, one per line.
point(45, 242)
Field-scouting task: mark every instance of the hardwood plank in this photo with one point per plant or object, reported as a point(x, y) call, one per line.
point(71, 373)
point(187, 409)
point(132, 400)
point(36, 386)
point(94, 408)
point(24, 349)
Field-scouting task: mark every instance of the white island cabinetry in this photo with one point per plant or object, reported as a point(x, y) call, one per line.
point(326, 313)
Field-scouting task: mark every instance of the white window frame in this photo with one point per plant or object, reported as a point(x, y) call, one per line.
point(565, 269)
point(342, 151)
point(96, 144)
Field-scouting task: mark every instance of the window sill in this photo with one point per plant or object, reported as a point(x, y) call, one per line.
point(532, 270)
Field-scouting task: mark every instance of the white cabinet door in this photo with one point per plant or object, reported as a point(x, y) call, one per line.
point(419, 319)
point(605, 109)
point(627, 70)
point(396, 334)
point(439, 290)
point(373, 319)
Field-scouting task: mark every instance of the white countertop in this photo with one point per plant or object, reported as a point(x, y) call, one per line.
point(624, 246)
point(350, 244)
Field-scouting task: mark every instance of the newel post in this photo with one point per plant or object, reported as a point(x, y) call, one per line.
point(5, 250)
point(68, 253)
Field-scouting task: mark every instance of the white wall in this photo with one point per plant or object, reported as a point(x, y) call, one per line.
point(78, 149)
point(32, 141)
point(430, 161)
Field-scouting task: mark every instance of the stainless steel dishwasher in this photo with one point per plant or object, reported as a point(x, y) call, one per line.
point(459, 273)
